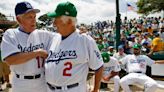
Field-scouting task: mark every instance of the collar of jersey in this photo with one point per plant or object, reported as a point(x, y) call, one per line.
point(69, 36)
point(20, 29)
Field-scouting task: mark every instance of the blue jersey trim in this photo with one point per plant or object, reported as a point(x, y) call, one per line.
point(11, 54)
point(20, 29)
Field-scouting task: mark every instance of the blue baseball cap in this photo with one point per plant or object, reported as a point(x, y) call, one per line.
point(145, 43)
point(24, 7)
point(120, 47)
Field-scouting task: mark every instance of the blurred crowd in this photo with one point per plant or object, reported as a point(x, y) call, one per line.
point(147, 31)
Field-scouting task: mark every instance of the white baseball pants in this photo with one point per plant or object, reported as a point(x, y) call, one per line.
point(150, 85)
point(28, 85)
point(116, 80)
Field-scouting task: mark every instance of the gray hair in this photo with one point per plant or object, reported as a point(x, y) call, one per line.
point(66, 18)
point(20, 16)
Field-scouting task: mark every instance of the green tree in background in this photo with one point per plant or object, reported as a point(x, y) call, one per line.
point(45, 21)
point(150, 6)
point(2, 17)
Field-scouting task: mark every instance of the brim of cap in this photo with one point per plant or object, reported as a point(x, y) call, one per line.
point(136, 48)
point(120, 48)
point(34, 10)
point(53, 15)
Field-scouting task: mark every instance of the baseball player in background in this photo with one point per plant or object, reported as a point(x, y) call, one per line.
point(24, 49)
point(120, 54)
point(111, 72)
point(67, 65)
point(136, 67)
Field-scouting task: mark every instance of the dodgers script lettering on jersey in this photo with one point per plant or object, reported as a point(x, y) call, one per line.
point(31, 47)
point(110, 66)
point(70, 62)
point(23, 42)
point(137, 63)
point(61, 55)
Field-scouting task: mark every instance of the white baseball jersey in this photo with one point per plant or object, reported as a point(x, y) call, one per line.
point(136, 63)
point(110, 66)
point(118, 56)
point(69, 63)
point(16, 41)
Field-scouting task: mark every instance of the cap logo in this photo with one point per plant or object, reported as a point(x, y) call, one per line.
point(67, 13)
point(28, 5)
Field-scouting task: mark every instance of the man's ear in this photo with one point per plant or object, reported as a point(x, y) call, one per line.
point(18, 19)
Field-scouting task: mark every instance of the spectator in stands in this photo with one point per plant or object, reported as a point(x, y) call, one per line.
point(124, 42)
point(131, 42)
point(105, 43)
point(82, 29)
point(146, 39)
point(145, 48)
point(111, 38)
point(111, 50)
point(150, 30)
point(161, 23)
point(157, 45)
point(162, 32)
point(100, 44)
point(155, 25)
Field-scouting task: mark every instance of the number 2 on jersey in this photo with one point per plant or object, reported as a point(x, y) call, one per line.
point(40, 62)
point(68, 67)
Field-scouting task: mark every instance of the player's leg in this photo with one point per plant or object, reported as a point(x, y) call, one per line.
point(126, 81)
point(150, 85)
point(116, 83)
point(6, 70)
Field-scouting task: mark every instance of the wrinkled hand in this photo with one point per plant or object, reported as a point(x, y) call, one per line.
point(41, 53)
